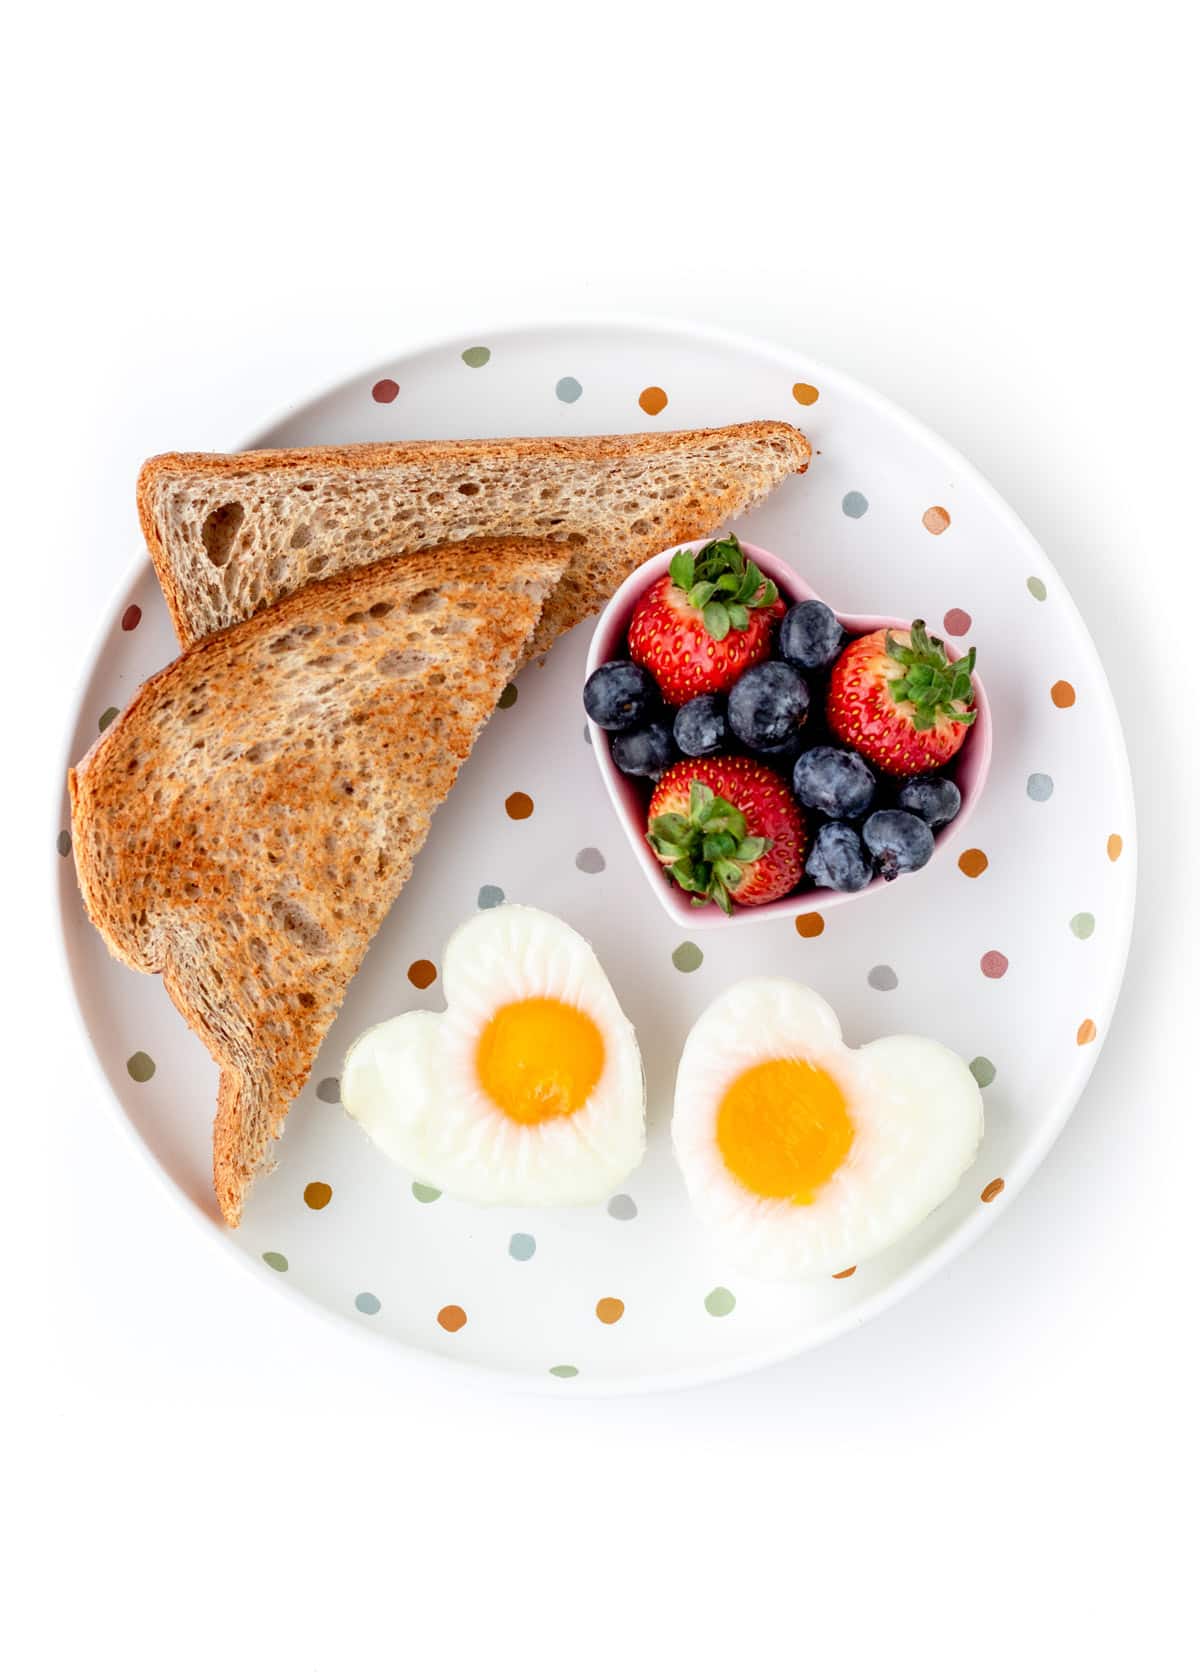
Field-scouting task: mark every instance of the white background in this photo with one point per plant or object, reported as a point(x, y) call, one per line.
point(988, 214)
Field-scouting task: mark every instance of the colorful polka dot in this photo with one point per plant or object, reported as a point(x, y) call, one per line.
point(477, 356)
point(653, 399)
point(330, 1090)
point(854, 504)
point(131, 618)
point(564, 1370)
point(609, 1310)
point(994, 964)
point(973, 862)
point(590, 861)
point(426, 1193)
point(622, 1207)
point(936, 520)
point(1036, 588)
point(488, 897)
point(422, 973)
point(1063, 695)
point(568, 390)
point(805, 395)
point(1114, 847)
point(956, 622)
point(882, 978)
point(1039, 786)
point(720, 1302)
point(385, 390)
point(452, 1319)
point(519, 806)
point(508, 697)
point(107, 716)
point(687, 957)
point(63, 843)
point(522, 1246)
point(1087, 1032)
point(317, 1195)
point(1083, 924)
point(992, 1190)
point(849, 1272)
point(277, 1262)
point(810, 925)
point(139, 1067)
point(983, 1071)
point(367, 1303)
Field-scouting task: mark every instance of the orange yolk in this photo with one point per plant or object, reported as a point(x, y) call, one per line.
point(783, 1129)
point(539, 1059)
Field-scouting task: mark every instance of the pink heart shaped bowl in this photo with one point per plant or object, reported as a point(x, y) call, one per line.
point(631, 795)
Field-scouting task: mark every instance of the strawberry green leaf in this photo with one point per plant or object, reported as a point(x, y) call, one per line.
point(683, 569)
point(716, 620)
point(752, 848)
point(739, 618)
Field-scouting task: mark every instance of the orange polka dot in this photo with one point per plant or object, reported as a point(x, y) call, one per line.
point(653, 399)
point(1086, 1033)
point(1114, 847)
point(1063, 695)
point(317, 1195)
point(452, 1318)
point(935, 520)
point(992, 1190)
point(609, 1310)
point(973, 862)
point(519, 806)
point(422, 973)
point(806, 395)
point(849, 1272)
point(810, 924)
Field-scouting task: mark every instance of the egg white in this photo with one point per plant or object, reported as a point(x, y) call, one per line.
point(917, 1115)
point(411, 1082)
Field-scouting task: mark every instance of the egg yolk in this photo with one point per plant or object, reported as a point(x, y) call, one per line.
point(539, 1059)
point(783, 1129)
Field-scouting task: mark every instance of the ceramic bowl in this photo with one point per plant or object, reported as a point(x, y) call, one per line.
point(631, 795)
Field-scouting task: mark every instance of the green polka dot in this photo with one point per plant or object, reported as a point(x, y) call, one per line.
point(488, 897)
point(568, 390)
point(522, 1246)
point(719, 1302)
point(477, 356)
point(1083, 926)
point(277, 1262)
point(984, 1072)
point(1036, 588)
point(687, 957)
point(425, 1193)
point(63, 843)
point(140, 1067)
point(564, 1370)
point(508, 696)
point(367, 1303)
point(107, 716)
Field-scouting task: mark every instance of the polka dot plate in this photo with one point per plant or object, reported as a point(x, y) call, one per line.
point(1010, 946)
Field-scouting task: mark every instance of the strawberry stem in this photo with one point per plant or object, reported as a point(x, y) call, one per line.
point(703, 850)
point(935, 686)
point(723, 584)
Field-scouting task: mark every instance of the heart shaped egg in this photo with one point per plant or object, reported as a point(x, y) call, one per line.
point(805, 1156)
point(528, 1089)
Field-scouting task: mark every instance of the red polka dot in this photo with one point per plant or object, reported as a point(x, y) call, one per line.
point(385, 390)
point(957, 622)
point(994, 964)
point(131, 618)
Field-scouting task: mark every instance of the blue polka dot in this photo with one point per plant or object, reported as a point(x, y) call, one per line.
point(568, 390)
point(366, 1302)
point(854, 504)
point(522, 1246)
point(489, 897)
point(1039, 786)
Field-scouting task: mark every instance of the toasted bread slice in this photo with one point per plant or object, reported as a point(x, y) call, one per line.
point(245, 824)
point(231, 533)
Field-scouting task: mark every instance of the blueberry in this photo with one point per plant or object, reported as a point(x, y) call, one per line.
point(898, 841)
point(834, 781)
point(619, 694)
point(936, 798)
point(700, 726)
point(645, 751)
point(810, 635)
point(768, 707)
point(837, 859)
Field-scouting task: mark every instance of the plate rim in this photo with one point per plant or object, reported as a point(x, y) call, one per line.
point(957, 1241)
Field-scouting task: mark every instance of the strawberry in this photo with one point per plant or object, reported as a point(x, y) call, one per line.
point(727, 829)
point(899, 701)
point(708, 620)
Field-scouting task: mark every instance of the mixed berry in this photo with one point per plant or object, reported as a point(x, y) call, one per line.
point(783, 751)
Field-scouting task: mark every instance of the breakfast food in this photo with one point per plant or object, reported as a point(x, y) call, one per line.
point(229, 534)
point(527, 1091)
point(805, 1157)
point(936, 799)
point(245, 824)
point(898, 699)
point(833, 781)
point(727, 829)
point(705, 622)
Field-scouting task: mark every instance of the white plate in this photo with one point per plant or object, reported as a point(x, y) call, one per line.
point(865, 525)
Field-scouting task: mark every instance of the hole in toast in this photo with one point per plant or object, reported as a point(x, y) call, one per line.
point(220, 529)
point(468, 489)
point(301, 537)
